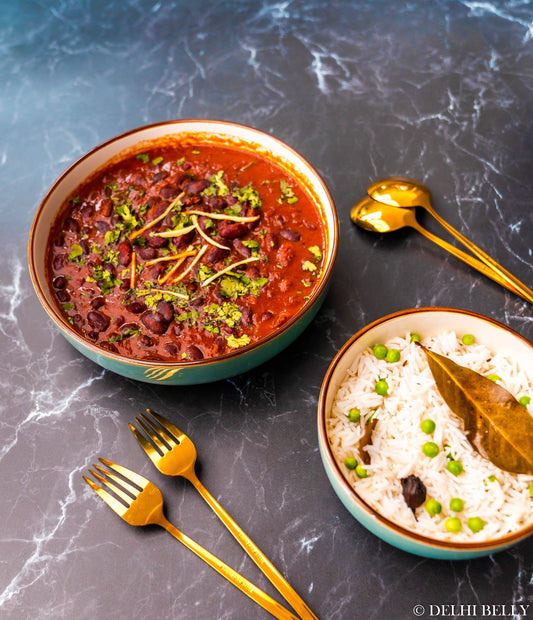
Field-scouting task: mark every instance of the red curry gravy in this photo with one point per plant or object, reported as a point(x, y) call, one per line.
point(185, 252)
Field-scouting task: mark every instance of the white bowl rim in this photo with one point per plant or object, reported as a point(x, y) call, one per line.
point(57, 318)
point(503, 541)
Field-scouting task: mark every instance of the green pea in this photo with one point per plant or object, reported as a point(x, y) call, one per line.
point(427, 426)
point(433, 507)
point(476, 524)
point(524, 400)
point(382, 387)
point(453, 525)
point(468, 339)
point(456, 504)
point(431, 449)
point(531, 489)
point(494, 378)
point(361, 472)
point(393, 355)
point(354, 415)
point(415, 338)
point(454, 467)
point(380, 351)
point(350, 462)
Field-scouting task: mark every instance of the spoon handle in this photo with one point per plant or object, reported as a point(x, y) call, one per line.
point(482, 267)
point(501, 275)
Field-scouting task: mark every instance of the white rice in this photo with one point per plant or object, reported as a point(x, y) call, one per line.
point(500, 498)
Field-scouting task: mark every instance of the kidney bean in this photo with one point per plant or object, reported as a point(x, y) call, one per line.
point(271, 241)
point(290, 235)
point(102, 226)
point(72, 225)
point(215, 254)
point(98, 321)
point(125, 284)
point(231, 200)
point(169, 192)
point(62, 296)
point(203, 221)
point(266, 316)
point(194, 353)
point(111, 268)
point(124, 253)
point(59, 241)
point(197, 302)
point(145, 341)
point(219, 346)
point(157, 270)
point(119, 320)
point(187, 166)
point(166, 310)
point(246, 317)
point(92, 335)
point(241, 248)
point(86, 211)
point(97, 302)
point(159, 176)
point(156, 242)
point(232, 230)
point(59, 282)
point(109, 346)
point(154, 200)
point(147, 253)
point(136, 307)
point(154, 322)
point(59, 261)
point(215, 202)
point(77, 321)
point(156, 210)
point(171, 349)
point(106, 208)
point(184, 240)
point(197, 186)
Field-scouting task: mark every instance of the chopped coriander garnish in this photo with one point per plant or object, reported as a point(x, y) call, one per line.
point(287, 194)
point(68, 306)
point(316, 252)
point(76, 252)
point(144, 157)
point(235, 343)
point(157, 160)
point(308, 266)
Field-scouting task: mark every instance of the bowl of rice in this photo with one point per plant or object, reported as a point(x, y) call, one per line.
point(398, 457)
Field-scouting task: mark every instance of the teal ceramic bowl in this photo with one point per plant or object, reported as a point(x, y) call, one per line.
point(426, 322)
point(180, 372)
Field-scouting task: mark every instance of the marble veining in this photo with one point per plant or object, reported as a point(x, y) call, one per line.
point(439, 91)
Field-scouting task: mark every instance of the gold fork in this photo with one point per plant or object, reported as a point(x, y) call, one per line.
point(143, 505)
point(175, 455)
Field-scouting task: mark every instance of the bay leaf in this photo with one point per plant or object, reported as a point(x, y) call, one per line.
point(366, 440)
point(495, 423)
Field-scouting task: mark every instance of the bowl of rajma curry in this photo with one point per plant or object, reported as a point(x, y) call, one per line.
point(184, 252)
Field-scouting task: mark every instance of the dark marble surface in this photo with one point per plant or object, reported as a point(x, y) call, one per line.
point(439, 91)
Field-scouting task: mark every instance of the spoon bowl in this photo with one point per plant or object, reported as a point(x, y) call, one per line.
point(408, 193)
point(400, 192)
point(380, 217)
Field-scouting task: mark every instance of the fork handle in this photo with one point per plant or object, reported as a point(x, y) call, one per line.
point(270, 571)
point(240, 582)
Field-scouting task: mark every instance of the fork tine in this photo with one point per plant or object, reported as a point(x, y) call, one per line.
point(123, 483)
point(154, 433)
point(116, 490)
point(113, 503)
point(127, 473)
point(167, 424)
point(152, 453)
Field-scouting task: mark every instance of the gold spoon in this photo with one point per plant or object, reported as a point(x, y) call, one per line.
point(379, 217)
point(406, 193)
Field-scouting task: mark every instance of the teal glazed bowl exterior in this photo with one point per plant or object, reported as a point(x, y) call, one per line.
point(426, 322)
point(179, 372)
